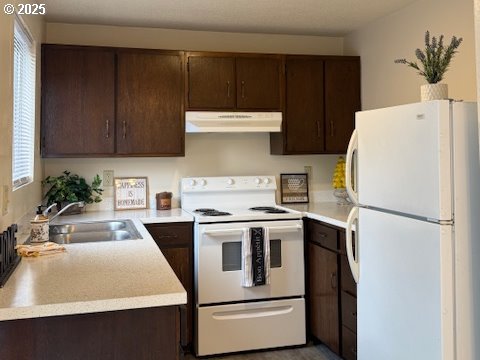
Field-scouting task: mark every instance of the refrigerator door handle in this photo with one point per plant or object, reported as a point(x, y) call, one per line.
point(352, 147)
point(352, 260)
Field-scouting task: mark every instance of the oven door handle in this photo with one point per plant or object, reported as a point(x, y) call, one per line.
point(220, 232)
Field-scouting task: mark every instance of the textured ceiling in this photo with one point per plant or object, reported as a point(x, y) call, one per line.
point(307, 17)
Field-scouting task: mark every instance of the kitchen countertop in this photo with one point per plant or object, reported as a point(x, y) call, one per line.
point(327, 212)
point(96, 277)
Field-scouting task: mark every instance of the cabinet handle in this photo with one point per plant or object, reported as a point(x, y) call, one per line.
point(333, 280)
point(321, 234)
point(354, 314)
point(228, 89)
point(107, 128)
point(318, 129)
point(331, 128)
point(243, 89)
point(124, 129)
point(167, 236)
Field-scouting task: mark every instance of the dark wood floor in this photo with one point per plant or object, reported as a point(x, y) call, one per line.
point(310, 352)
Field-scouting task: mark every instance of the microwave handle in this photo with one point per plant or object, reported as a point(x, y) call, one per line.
point(220, 232)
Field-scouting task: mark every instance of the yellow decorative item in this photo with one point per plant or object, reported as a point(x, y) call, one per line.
point(338, 182)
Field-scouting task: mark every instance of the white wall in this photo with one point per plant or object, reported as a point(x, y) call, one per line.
point(477, 48)
point(205, 154)
point(23, 199)
point(397, 36)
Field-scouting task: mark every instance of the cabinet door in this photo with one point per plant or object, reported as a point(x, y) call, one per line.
point(176, 243)
point(342, 100)
point(323, 299)
point(178, 258)
point(258, 83)
point(211, 82)
point(304, 106)
point(78, 113)
point(149, 104)
point(180, 261)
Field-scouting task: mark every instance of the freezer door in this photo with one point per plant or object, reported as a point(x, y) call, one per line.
point(404, 159)
point(405, 288)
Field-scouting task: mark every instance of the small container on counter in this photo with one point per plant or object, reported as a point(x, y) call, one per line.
point(40, 229)
point(164, 200)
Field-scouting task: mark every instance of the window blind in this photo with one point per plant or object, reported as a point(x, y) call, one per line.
point(24, 55)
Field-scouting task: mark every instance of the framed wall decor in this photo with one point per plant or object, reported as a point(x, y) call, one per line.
point(294, 188)
point(131, 193)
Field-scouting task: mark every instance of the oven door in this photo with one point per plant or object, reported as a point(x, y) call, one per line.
point(218, 262)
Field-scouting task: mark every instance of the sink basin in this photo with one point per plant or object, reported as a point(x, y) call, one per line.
point(94, 231)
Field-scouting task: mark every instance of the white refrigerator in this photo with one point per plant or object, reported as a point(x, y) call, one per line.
point(413, 173)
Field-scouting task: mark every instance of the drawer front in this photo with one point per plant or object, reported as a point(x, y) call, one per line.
point(348, 284)
point(171, 234)
point(349, 344)
point(323, 235)
point(349, 311)
point(248, 326)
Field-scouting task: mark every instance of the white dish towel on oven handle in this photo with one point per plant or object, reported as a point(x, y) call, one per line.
point(247, 272)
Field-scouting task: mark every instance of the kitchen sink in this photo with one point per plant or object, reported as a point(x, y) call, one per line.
point(94, 231)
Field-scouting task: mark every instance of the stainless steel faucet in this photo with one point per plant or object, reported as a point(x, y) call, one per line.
point(45, 213)
point(47, 210)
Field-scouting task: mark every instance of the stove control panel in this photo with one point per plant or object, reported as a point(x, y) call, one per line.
point(229, 183)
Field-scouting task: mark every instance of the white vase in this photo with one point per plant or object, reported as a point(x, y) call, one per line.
point(434, 92)
point(342, 196)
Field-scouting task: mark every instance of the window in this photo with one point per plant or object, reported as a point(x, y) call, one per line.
point(23, 105)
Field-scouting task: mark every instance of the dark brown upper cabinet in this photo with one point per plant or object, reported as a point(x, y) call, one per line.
point(258, 83)
point(211, 82)
point(322, 96)
point(111, 102)
point(227, 81)
point(149, 103)
point(78, 101)
point(342, 99)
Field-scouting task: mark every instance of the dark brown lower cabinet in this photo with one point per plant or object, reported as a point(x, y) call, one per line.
point(150, 333)
point(323, 299)
point(175, 240)
point(331, 289)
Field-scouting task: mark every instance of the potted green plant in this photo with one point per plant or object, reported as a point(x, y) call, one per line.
point(434, 62)
point(69, 188)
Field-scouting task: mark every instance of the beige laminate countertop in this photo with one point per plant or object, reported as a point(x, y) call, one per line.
point(327, 212)
point(96, 277)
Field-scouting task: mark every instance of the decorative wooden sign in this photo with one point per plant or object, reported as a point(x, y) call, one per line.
point(131, 193)
point(294, 188)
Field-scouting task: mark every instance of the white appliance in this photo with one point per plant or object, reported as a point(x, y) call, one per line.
point(417, 253)
point(213, 121)
point(229, 317)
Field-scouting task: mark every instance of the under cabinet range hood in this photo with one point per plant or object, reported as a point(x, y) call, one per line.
point(211, 121)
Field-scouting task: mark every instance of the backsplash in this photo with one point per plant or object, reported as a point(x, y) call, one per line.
point(205, 155)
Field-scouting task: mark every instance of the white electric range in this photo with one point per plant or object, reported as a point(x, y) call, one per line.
point(230, 317)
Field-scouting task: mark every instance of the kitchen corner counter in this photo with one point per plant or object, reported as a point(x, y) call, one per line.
point(96, 277)
point(327, 212)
